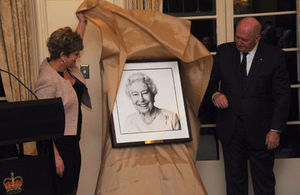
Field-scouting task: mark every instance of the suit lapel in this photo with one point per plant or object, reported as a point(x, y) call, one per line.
point(237, 64)
point(255, 67)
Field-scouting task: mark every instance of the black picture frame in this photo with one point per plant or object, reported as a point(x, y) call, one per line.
point(168, 122)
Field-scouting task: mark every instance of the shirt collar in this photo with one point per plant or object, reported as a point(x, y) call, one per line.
point(253, 51)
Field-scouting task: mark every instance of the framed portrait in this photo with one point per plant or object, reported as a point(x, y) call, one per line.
point(150, 107)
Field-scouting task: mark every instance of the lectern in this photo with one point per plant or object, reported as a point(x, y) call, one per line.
point(37, 120)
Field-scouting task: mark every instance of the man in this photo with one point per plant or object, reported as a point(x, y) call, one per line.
point(252, 97)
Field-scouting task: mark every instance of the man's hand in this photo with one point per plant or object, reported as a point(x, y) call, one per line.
point(272, 139)
point(220, 100)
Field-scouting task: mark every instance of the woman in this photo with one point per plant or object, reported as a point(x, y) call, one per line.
point(141, 90)
point(59, 77)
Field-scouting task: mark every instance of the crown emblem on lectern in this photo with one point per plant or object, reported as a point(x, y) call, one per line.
point(13, 185)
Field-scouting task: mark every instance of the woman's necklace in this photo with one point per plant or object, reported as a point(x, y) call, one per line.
point(149, 118)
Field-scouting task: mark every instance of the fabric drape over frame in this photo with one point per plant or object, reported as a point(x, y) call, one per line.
point(135, 35)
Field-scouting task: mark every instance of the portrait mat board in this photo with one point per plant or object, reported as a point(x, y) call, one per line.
point(169, 125)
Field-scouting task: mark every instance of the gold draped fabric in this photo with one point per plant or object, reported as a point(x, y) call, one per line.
point(133, 35)
point(155, 5)
point(15, 52)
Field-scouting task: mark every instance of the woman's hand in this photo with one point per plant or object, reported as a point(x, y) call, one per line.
point(81, 24)
point(60, 166)
point(59, 163)
point(81, 17)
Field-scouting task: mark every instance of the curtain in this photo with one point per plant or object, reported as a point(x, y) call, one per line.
point(155, 5)
point(16, 48)
point(16, 53)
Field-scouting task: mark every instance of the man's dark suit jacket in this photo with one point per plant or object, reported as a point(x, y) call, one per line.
point(261, 101)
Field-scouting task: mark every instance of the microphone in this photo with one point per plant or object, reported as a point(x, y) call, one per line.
point(1, 70)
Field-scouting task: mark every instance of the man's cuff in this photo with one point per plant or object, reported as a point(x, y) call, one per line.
point(213, 96)
point(275, 130)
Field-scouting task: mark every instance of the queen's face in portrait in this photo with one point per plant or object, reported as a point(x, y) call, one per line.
point(141, 91)
point(141, 96)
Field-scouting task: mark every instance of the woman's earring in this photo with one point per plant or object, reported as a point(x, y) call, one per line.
point(62, 61)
